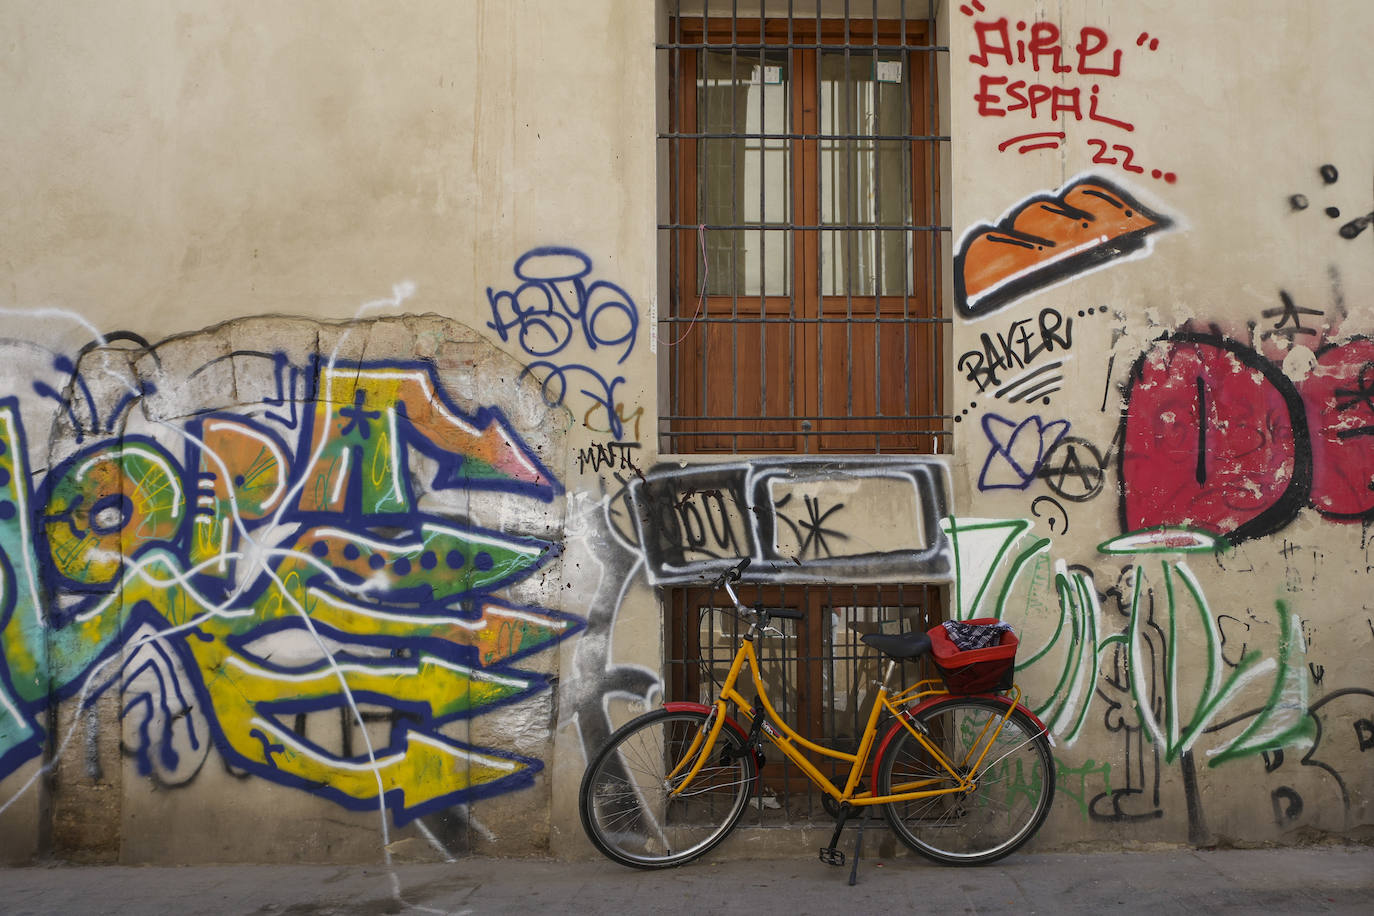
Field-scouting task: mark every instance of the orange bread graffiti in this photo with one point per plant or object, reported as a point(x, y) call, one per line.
point(1047, 239)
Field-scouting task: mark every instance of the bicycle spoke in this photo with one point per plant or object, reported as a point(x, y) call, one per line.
point(1011, 793)
point(628, 809)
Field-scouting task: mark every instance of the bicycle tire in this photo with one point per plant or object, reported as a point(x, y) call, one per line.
point(1015, 787)
point(624, 800)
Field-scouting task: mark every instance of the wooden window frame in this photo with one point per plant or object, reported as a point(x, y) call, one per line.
point(804, 408)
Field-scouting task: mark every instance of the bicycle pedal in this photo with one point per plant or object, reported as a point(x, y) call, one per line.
point(832, 856)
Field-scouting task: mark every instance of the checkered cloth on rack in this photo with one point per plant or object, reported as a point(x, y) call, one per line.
point(975, 635)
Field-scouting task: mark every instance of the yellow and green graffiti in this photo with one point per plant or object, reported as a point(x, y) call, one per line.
point(285, 580)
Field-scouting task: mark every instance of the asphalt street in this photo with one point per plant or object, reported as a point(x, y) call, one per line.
point(1298, 880)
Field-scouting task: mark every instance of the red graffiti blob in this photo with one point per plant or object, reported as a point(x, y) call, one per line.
point(1214, 439)
point(1339, 397)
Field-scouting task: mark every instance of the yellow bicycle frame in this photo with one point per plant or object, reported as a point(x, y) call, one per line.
point(787, 740)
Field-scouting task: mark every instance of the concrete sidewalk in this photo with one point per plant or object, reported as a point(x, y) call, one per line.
point(1305, 880)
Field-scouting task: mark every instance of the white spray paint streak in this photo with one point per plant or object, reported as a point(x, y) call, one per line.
point(257, 556)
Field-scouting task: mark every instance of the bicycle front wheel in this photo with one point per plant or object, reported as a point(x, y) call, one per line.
point(627, 803)
point(1014, 782)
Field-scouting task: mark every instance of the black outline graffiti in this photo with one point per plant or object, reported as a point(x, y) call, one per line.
point(1033, 384)
point(1117, 718)
point(1362, 727)
point(607, 456)
point(813, 525)
point(1024, 341)
point(1289, 311)
point(1227, 640)
point(1287, 805)
point(1063, 513)
point(744, 519)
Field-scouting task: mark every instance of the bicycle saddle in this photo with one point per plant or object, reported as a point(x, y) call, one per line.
point(904, 645)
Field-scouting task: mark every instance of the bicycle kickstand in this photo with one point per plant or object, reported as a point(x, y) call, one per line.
point(858, 851)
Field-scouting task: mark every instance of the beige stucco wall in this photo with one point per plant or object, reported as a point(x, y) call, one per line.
point(305, 158)
point(168, 169)
point(252, 207)
point(1244, 103)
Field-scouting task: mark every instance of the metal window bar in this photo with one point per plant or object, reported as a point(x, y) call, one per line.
point(868, 374)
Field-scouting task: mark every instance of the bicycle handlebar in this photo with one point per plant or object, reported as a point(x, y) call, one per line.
point(734, 574)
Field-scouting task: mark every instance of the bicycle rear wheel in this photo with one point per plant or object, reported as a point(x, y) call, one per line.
point(626, 803)
point(1015, 782)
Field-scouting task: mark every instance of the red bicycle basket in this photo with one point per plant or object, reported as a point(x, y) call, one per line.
point(974, 670)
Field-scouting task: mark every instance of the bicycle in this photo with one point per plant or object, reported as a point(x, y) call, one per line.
point(963, 779)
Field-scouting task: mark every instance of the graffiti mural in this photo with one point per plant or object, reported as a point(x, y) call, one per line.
point(1018, 451)
point(1164, 661)
point(697, 521)
point(342, 542)
point(1086, 225)
point(1216, 433)
point(1188, 642)
point(1043, 77)
point(556, 306)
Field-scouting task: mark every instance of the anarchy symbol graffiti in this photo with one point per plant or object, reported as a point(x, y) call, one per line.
point(1074, 469)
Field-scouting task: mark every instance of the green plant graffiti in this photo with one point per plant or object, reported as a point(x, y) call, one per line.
point(1171, 639)
point(1281, 722)
point(981, 548)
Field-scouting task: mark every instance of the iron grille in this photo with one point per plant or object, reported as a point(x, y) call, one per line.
point(818, 674)
point(801, 158)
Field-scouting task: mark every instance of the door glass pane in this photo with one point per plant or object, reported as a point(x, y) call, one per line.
point(744, 173)
point(865, 180)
